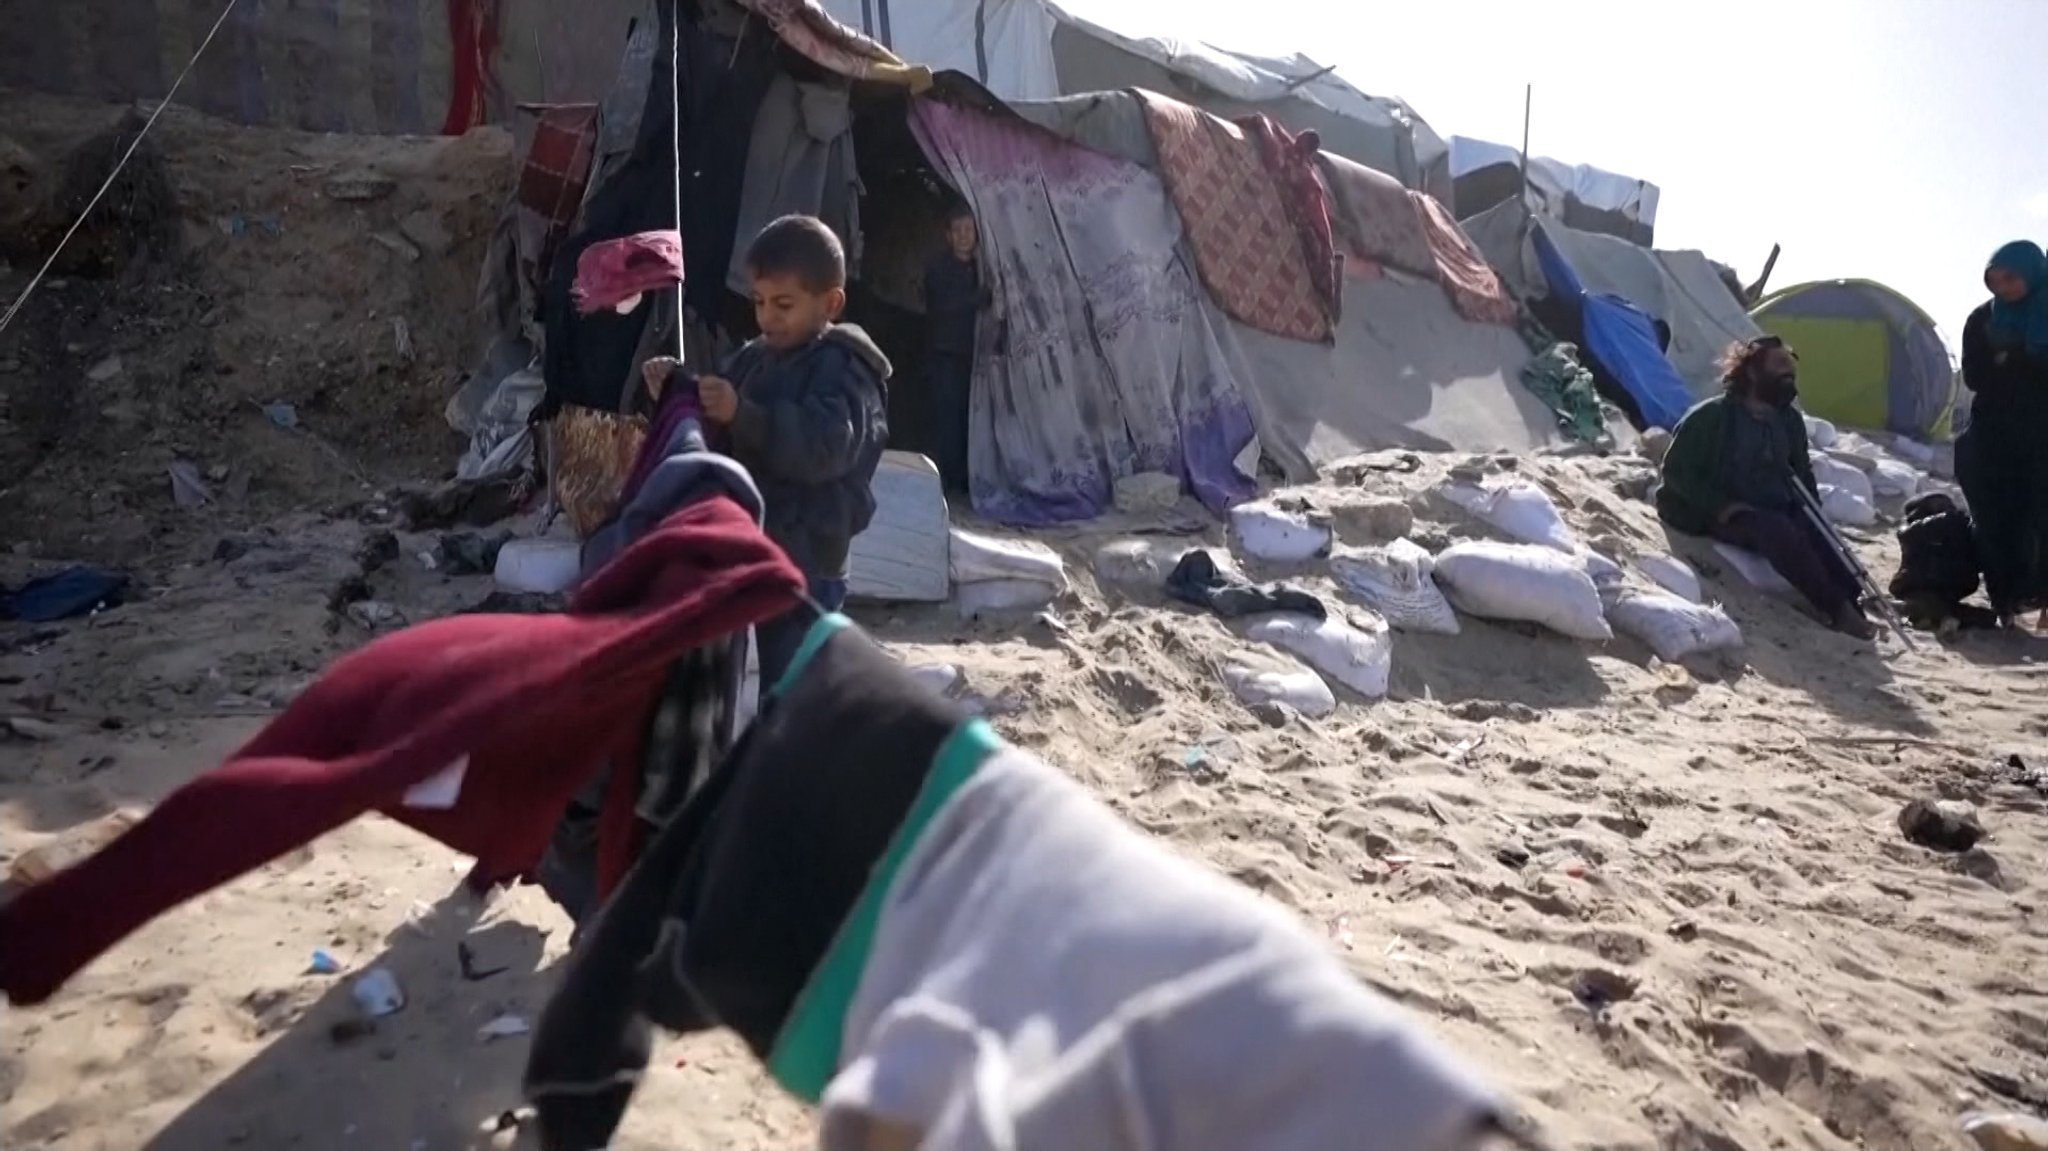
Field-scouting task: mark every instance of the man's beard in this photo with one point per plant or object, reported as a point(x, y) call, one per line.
point(1778, 391)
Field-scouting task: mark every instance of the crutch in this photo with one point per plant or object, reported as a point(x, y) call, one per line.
point(1871, 592)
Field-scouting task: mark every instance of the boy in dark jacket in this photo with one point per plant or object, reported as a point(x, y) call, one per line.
point(804, 408)
point(1938, 567)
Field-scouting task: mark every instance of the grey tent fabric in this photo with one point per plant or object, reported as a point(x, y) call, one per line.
point(1404, 369)
point(1680, 288)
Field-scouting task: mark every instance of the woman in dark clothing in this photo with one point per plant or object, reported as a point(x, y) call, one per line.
point(2002, 457)
point(954, 296)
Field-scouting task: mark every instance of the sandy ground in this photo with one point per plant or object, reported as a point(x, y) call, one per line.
point(1665, 907)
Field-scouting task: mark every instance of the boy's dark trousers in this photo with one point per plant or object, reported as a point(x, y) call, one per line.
point(777, 640)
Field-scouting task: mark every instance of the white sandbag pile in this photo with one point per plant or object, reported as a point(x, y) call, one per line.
point(1831, 472)
point(1263, 677)
point(1265, 530)
point(1672, 574)
point(1360, 656)
point(1396, 580)
point(1820, 433)
point(1523, 582)
point(1517, 509)
point(1892, 480)
point(997, 575)
point(1672, 628)
point(1845, 507)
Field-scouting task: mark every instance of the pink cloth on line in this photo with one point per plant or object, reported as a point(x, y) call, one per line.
point(611, 272)
point(1474, 290)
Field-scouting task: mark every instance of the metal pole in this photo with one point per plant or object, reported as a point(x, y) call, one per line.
point(1528, 106)
point(675, 136)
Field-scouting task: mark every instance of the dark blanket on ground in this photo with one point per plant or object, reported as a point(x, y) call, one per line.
point(1196, 579)
point(534, 706)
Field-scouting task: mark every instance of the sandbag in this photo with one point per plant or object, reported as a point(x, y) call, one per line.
point(1267, 531)
point(1359, 657)
point(976, 557)
point(537, 566)
point(1524, 582)
point(1831, 472)
point(1671, 627)
point(1135, 563)
point(1819, 433)
point(1002, 595)
point(1272, 678)
point(1843, 506)
point(1602, 571)
point(1672, 574)
point(1517, 509)
point(1395, 580)
point(1893, 480)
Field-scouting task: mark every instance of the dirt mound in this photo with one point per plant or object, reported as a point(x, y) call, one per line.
point(329, 278)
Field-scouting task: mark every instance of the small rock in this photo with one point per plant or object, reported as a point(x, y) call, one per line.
point(1379, 519)
point(359, 187)
point(1683, 930)
point(28, 728)
point(229, 549)
point(1132, 563)
point(1944, 825)
point(2008, 1131)
point(1653, 445)
point(370, 614)
point(378, 548)
point(1512, 855)
point(1273, 713)
point(158, 730)
point(105, 371)
point(503, 1027)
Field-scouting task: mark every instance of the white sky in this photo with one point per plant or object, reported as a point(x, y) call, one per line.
point(1894, 140)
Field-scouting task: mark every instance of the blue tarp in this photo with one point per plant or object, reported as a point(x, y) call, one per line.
point(1622, 337)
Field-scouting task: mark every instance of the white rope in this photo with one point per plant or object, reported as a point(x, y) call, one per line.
point(15, 308)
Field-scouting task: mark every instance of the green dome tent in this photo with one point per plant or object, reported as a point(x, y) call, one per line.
point(1868, 356)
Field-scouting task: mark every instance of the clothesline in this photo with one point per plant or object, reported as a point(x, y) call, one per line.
point(35, 281)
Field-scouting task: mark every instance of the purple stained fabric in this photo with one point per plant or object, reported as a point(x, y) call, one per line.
point(1097, 361)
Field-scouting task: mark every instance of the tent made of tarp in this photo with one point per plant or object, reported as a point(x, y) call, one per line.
point(1681, 288)
point(1486, 174)
point(1868, 356)
point(1402, 367)
point(1038, 50)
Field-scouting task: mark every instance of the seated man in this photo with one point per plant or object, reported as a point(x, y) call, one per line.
point(1729, 475)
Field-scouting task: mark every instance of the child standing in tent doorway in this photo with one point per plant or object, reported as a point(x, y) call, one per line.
point(955, 292)
point(803, 406)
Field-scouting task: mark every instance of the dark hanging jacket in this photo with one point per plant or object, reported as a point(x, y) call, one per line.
point(811, 427)
point(1721, 454)
point(2010, 385)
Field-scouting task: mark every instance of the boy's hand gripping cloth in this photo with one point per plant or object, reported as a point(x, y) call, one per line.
point(924, 930)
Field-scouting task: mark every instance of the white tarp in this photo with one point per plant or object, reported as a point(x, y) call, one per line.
point(1008, 45)
point(1554, 179)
